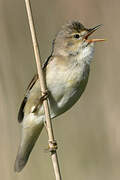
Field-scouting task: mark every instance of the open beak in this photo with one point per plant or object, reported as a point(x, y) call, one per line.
point(90, 31)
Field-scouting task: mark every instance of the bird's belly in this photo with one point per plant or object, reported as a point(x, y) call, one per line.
point(64, 95)
point(65, 84)
point(67, 101)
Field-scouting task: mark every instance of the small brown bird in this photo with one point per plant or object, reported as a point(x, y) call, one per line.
point(66, 72)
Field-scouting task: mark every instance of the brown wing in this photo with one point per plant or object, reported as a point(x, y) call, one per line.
point(21, 110)
point(31, 84)
point(47, 61)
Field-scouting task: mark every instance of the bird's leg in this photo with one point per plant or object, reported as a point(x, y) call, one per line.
point(42, 98)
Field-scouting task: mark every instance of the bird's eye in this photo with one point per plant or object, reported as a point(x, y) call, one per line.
point(76, 36)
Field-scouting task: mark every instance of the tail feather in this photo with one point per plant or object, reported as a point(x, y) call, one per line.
point(29, 138)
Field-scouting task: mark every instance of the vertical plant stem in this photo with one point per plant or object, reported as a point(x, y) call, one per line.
point(43, 89)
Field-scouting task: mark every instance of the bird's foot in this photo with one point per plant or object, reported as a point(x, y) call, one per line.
point(44, 96)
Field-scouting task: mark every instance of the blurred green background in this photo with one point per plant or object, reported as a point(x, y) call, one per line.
point(88, 135)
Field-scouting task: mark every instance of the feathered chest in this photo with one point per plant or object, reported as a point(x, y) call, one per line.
point(63, 79)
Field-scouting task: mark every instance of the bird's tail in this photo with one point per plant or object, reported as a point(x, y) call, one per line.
point(29, 137)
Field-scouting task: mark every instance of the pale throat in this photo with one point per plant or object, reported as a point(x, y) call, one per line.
point(85, 55)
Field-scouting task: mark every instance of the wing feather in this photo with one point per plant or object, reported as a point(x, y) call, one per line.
point(21, 110)
point(31, 84)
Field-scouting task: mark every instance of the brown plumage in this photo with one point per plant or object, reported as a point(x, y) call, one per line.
point(66, 72)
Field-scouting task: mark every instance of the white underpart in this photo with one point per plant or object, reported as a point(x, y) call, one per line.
point(64, 85)
point(32, 120)
point(87, 53)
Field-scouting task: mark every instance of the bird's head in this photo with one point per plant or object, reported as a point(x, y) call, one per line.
point(73, 39)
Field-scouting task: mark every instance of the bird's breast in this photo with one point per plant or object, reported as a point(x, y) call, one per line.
point(66, 84)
